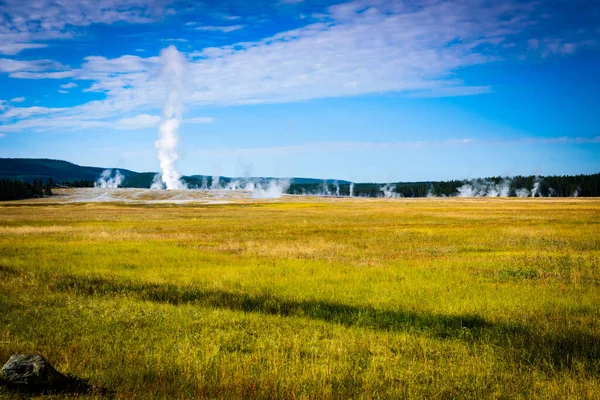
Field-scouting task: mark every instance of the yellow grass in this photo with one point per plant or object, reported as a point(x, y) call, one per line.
point(308, 298)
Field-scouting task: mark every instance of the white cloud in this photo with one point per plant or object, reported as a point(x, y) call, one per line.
point(557, 46)
point(359, 47)
point(27, 112)
point(2, 135)
point(17, 100)
point(563, 47)
point(43, 75)
point(69, 85)
point(63, 91)
point(452, 91)
point(138, 122)
point(66, 119)
point(231, 17)
point(363, 47)
point(15, 48)
point(11, 66)
point(27, 24)
point(57, 15)
point(199, 120)
point(212, 28)
point(560, 140)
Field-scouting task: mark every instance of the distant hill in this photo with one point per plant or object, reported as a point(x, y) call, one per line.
point(28, 169)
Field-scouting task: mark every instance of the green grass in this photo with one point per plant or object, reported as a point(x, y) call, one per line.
point(443, 298)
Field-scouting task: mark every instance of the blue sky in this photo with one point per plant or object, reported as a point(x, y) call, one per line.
point(365, 90)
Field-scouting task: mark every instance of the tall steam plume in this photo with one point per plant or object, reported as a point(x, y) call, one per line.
point(173, 73)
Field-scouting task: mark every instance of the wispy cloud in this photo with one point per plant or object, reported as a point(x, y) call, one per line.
point(216, 28)
point(557, 140)
point(69, 85)
point(27, 112)
point(451, 91)
point(199, 120)
point(13, 67)
point(558, 46)
point(16, 47)
point(28, 24)
point(17, 100)
point(138, 122)
point(49, 119)
point(361, 47)
point(180, 40)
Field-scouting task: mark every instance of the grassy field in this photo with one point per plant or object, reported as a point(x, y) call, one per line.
point(308, 298)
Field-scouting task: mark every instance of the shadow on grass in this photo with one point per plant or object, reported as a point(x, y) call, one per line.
point(6, 270)
point(368, 317)
point(550, 351)
point(71, 385)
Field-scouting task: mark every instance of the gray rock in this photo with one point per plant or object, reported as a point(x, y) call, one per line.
point(31, 370)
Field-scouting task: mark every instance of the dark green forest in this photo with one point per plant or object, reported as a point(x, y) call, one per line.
point(18, 190)
point(81, 183)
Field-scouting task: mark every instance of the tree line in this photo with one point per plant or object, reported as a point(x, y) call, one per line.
point(18, 190)
point(82, 183)
point(548, 186)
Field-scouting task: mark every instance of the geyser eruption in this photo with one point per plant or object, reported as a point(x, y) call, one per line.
point(173, 74)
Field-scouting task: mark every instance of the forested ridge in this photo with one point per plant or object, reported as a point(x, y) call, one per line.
point(24, 178)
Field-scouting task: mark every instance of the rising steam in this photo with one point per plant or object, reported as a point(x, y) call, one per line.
point(173, 74)
point(215, 183)
point(486, 188)
point(260, 189)
point(389, 191)
point(109, 180)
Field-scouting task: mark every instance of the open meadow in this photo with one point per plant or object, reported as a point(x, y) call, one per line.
point(302, 298)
